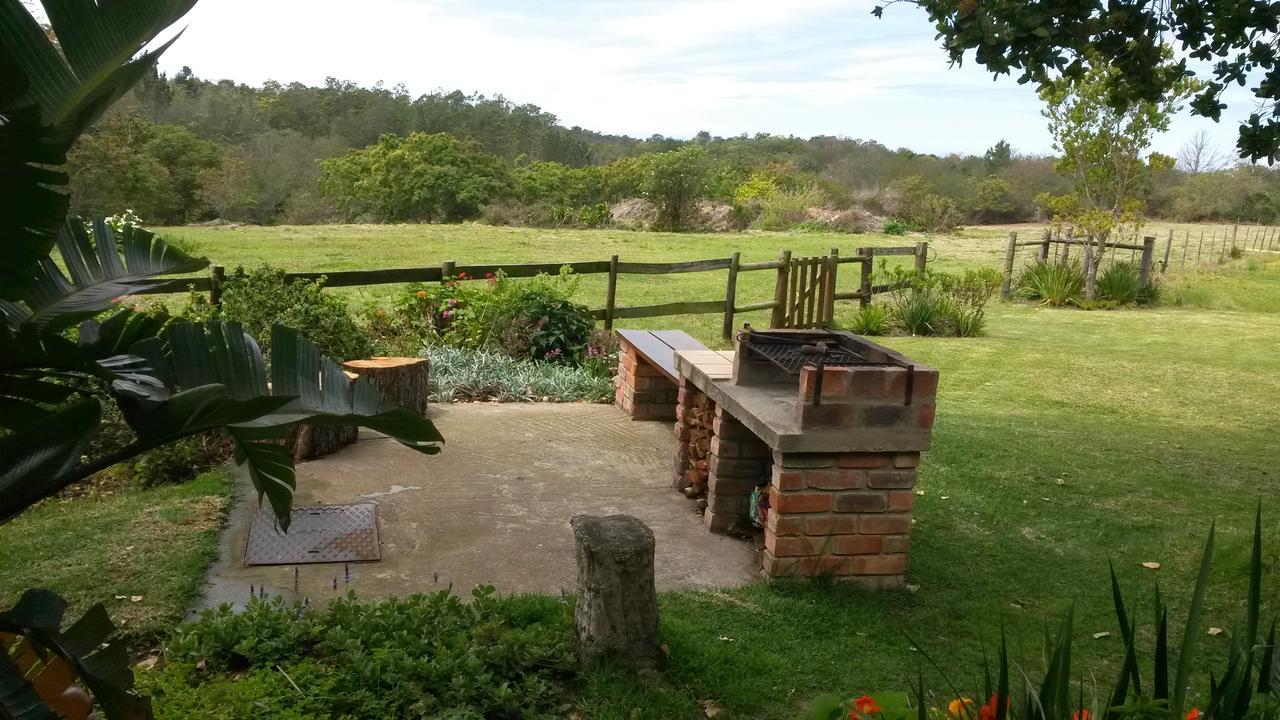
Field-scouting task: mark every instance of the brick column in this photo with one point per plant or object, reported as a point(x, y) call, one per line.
point(739, 464)
point(642, 391)
point(845, 515)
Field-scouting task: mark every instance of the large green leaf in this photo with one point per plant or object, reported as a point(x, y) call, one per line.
point(99, 661)
point(98, 274)
point(34, 461)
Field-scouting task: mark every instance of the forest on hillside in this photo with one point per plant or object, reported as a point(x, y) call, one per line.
point(184, 149)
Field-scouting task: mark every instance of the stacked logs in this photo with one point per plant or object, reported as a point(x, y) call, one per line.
point(700, 417)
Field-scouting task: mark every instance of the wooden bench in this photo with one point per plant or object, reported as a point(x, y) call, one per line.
point(647, 378)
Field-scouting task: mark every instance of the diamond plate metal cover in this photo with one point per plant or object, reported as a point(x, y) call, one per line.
point(317, 534)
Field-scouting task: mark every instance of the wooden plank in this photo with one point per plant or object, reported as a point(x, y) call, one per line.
point(767, 305)
point(716, 365)
point(730, 296)
point(675, 308)
point(899, 250)
point(352, 278)
point(658, 353)
point(531, 269)
point(766, 265)
point(678, 339)
point(631, 268)
point(177, 285)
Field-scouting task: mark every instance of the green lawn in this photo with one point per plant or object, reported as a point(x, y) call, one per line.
point(1065, 439)
point(115, 545)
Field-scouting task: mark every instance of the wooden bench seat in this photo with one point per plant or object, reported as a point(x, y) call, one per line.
point(647, 376)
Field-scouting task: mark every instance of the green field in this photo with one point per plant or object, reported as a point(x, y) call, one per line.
point(1065, 439)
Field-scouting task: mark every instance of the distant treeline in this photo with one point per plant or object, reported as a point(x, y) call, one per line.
point(182, 149)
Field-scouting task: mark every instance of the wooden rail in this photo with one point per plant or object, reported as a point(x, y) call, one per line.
point(805, 289)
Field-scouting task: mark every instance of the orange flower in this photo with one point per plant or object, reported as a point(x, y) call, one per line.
point(866, 705)
point(1081, 714)
point(1193, 714)
point(422, 293)
point(959, 707)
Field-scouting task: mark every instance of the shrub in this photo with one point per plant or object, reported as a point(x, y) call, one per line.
point(459, 374)
point(425, 656)
point(1236, 252)
point(895, 226)
point(870, 320)
point(1051, 283)
point(260, 298)
point(596, 215)
point(182, 460)
point(917, 313)
point(964, 300)
point(784, 209)
point(1121, 282)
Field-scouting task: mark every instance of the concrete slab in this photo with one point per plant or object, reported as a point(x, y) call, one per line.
point(493, 507)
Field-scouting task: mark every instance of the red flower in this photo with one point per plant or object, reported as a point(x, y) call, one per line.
point(1193, 714)
point(1081, 714)
point(462, 276)
point(865, 705)
point(988, 711)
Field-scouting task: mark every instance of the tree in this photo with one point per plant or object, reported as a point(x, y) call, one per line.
point(229, 190)
point(1070, 38)
point(1199, 154)
point(992, 199)
point(676, 180)
point(1102, 149)
point(997, 157)
point(421, 177)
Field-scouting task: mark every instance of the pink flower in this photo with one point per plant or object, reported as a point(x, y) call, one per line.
point(552, 354)
point(453, 302)
point(447, 314)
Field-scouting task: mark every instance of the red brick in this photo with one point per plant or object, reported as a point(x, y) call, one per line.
point(868, 383)
point(737, 467)
point(730, 429)
point(722, 485)
point(924, 385)
point(780, 524)
point(836, 479)
point(869, 501)
point(840, 524)
point(895, 387)
point(788, 479)
point(790, 546)
point(925, 417)
point(835, 383)
point(879, 564)
point(906, 460)
point(798, 502)
point(653, 383)
point(902, 499)
point(806, 566)
point(886, 524)
point(891, 479)
point(863, 460)
point(804, 460)
point(828, 415)
point(856, 544)
point(896, 543)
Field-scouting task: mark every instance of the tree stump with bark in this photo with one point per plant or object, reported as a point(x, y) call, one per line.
point(402, 381)
point(308, 442)
point(617, 607)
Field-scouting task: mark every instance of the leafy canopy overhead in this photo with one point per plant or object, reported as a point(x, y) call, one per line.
point(1221, 43)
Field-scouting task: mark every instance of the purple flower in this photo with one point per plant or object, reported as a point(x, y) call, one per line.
point(552, 354)
point(447, 314)
point(453, 302)
point(594, 351)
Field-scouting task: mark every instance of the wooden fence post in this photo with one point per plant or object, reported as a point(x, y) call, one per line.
point(1148, 256)
point(1186, 245)
point(446, 271)
point(730, 296)
point(1007, 285)
point(1200, 248)
point(217, 276)
point(1044, 247)
point(611, 293)
point(864, 280)
point(1234, 229)
point(779, 315)
point(1168, 244)
point(832, 272)
point(922, 255)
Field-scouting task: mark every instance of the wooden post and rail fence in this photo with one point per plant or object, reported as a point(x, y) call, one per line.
point(1195, 244)
point(804, 294)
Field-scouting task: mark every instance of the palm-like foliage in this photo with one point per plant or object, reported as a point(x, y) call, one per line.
point(169, 381)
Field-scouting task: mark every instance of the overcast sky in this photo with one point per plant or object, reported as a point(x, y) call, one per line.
point(674, 67)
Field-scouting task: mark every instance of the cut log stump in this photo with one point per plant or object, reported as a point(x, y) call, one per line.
point(402, 381)
point(617, 608)
point(308, 442)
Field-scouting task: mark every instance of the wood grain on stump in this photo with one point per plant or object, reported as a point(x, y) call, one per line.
point(617, 608)
point(308, 442)
point(402, 381)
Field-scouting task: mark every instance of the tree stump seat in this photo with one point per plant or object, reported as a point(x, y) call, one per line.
point(402, 381)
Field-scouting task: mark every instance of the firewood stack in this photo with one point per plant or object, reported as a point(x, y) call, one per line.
point(701, 416)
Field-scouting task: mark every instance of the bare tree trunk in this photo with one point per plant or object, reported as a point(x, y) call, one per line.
point(1091, 260)
point(617, 607)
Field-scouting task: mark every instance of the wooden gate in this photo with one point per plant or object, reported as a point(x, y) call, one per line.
point(811, 291)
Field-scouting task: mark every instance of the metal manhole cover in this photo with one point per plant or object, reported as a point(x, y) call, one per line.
point(317, 534)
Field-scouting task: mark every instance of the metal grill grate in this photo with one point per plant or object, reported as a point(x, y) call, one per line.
point(317, 534)
point(793, 353)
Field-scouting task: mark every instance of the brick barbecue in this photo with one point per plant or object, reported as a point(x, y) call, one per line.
point(818, 432)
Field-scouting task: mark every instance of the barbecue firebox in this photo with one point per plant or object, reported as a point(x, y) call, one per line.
point(816, 437)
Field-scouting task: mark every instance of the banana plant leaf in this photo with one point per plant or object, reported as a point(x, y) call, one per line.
point(98, 661)
point(50, 95)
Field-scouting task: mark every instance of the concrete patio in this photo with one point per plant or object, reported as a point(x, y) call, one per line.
point(493, 507)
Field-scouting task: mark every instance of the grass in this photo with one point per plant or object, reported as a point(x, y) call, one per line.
point(1065, 439)
point(113, 546)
